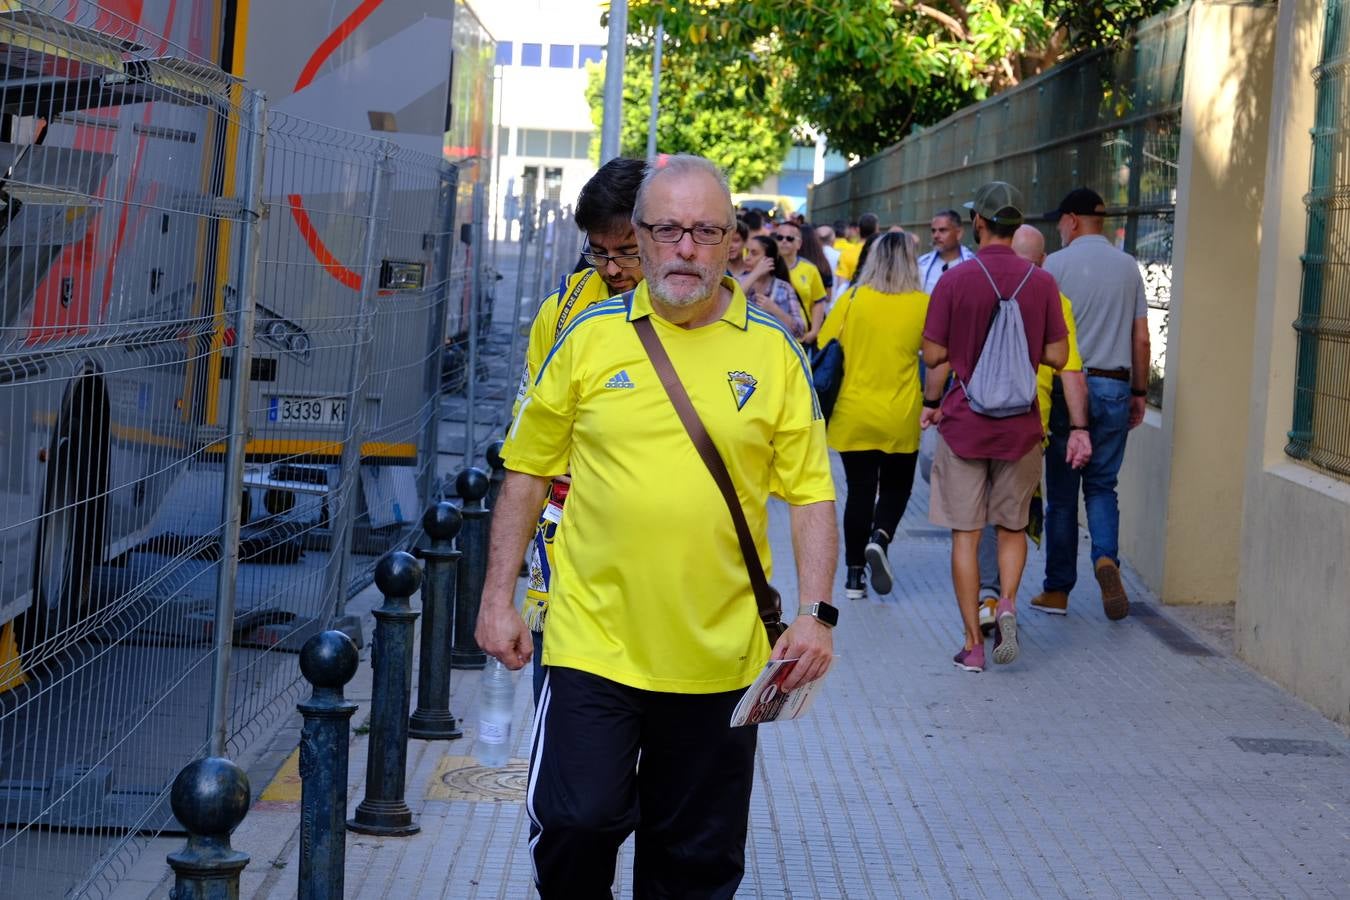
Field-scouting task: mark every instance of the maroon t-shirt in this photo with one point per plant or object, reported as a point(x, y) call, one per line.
point(959, 315)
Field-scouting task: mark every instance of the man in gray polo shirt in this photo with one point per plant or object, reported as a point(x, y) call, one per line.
point(1108, 303)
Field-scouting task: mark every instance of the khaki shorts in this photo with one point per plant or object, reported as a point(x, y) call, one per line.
point(968, 494)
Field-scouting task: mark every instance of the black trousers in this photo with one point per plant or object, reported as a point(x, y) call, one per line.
point(608, 760)
point(879, 485)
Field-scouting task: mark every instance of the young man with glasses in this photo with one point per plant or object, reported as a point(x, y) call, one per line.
point(604, 212)
point(806, 280)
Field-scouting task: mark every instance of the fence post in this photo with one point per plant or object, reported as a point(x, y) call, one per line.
point(349, 479)
point(383, 811)
point(237, 430)
point(431, 433)
point(475, 308)
point(472, 486)
point(432, 720)
point(328, 661)
point(210, 797)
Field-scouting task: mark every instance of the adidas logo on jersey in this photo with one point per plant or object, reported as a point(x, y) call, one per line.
point(621, 380)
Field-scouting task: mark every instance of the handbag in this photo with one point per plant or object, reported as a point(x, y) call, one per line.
point(827, 366)
point(767, 598)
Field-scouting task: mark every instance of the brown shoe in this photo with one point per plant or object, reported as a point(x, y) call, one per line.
point(1053, 602)
point(1114, 602)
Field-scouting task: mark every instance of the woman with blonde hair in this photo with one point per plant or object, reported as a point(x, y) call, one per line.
point(875, 422)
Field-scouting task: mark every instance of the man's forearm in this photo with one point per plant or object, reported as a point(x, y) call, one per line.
point(815, 544)
point(935, 381)
point(1141, 357)
point(513, 521)
point(1075, 396)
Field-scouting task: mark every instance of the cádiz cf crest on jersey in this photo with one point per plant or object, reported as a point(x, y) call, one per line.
point(742, 387)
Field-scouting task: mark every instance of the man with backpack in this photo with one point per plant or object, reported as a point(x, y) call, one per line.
point(991, 322)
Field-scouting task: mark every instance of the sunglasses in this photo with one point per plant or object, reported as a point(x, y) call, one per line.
point(785, 239)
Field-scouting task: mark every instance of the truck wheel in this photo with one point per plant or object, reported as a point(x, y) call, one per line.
point(69, 539)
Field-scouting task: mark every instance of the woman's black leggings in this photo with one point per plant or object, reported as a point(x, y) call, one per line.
point(879, 485)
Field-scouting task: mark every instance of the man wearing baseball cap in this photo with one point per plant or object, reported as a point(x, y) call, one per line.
point(986, 468)
point(1107, 292)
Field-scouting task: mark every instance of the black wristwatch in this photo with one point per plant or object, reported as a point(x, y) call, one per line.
point(822, 612)
point(932, 404)
point(1138, 392)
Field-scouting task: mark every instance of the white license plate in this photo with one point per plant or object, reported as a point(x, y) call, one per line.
point(307, 410)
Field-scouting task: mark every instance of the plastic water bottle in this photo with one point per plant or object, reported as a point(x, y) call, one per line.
point(495, 700)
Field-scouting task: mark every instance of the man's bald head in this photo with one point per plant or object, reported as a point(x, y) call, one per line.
point(1029, 243)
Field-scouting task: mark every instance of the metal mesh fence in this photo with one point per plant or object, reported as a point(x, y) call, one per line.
point(223, 344)
point(1107, 120)
point(1321, 426)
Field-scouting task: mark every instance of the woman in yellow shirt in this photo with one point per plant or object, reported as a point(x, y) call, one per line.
point(875, 423)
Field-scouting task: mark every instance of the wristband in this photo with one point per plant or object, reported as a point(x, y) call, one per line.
point(931, 404)
point(1078, 428)
point(1138, 392)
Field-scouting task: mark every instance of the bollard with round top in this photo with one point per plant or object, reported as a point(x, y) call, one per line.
point(384, 811)
point(432, 720)
point(210, 797)
point(497, 472)
point(328, 661)
point(472, 486)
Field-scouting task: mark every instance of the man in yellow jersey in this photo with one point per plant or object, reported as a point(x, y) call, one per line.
point(654, 631)
point(604, 212)
point(806, 280)
point(1029, 243)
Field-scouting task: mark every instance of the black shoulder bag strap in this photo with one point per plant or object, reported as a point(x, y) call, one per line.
point(767, 598)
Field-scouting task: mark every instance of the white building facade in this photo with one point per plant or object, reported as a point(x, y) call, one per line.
point(544, 124)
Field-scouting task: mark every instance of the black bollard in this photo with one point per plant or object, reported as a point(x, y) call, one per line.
point(210, 797)
point(384, 811)
point(471, 485)
point(496, 472)
point(328, 661)
point(432, 720)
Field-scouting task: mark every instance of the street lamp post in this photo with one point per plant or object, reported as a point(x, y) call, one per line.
point(618, 36)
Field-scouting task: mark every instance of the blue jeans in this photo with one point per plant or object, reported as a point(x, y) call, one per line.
point(1108, 426)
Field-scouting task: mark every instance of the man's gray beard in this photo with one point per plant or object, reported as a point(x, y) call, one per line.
point(656, 290)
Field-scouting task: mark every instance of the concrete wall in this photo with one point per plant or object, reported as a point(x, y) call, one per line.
point(1181, 485)
point(1293, 607)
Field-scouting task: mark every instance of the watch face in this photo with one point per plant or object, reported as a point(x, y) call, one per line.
point(827, 614)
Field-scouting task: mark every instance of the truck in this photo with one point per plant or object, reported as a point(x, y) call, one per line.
point(119, 152)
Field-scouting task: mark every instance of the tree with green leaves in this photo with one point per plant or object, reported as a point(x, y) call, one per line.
point(865, 72)
point(745, 131)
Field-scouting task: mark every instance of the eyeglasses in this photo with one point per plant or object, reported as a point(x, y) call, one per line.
point(600, 260)
point(673, 234)
point(785, 239)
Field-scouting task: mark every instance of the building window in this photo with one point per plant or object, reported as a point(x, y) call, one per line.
point(532, 55)
point(589, 53)
point(504, 141)
point(581, 144)
point(1322, 375)
point(533, 142)
point(560, 56)
point(504, 53)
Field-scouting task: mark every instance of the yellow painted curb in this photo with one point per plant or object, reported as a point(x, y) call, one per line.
point(285, 787)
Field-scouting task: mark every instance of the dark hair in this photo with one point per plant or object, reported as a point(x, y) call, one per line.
point(950, 214)
point(743, 230)
point(840, 226)
point(609, 197)
point(813, 250)
point(780, 269)
point(1001, 229)
point(754, 220)
point(867, 225)
point(862, 254)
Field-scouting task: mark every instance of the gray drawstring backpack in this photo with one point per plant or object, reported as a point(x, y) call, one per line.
point(1003, 382)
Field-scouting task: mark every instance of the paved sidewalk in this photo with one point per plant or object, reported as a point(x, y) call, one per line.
point(1127, 759)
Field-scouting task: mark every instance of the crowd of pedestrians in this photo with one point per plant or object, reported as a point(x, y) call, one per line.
point(669, 391)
